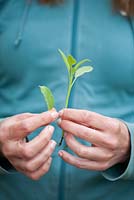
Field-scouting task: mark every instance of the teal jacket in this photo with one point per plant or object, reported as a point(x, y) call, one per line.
point(30, 35)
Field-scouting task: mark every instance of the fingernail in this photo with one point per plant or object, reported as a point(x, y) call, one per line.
point(49, 160)
point(60, 153)
point(50, 128)
point(59, 121)
point(53, 144)
point(54, 114)
point(61, 112)
point(53, 109)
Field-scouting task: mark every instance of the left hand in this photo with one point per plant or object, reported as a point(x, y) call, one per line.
point(109, 138)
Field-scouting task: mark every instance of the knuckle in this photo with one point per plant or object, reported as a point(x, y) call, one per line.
point(115, 125)
point(4, 126)
point(34, 177)
point(79, 164)
point(29, 167)
point(27, 152)
point(84, 133)
point(46, 139)
point(25, 127)
point(45, 169)
point(104, 166)
point(46, 117)
point(113, 144)
point(85, 116)
point(43, 118)
point(6, 151)
point(5, 129)
point(110, 141)
point(109, 156)
point(81, 152)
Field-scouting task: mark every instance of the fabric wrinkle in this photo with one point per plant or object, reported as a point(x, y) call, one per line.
point(22, 24)
point(2, 23)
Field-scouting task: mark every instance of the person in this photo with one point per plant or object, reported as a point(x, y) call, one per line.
point(98, 162)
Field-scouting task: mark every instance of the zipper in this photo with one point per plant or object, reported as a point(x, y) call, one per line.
point(73, 45)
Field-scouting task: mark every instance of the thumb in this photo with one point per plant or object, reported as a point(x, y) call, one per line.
point(24, 127)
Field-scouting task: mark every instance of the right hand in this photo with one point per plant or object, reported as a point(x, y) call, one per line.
point(32, 158)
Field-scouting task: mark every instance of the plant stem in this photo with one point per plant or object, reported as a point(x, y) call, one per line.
point(66, 106)
point(68, 95)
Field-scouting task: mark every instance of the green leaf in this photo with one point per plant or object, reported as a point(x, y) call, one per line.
point(65, 60)
point(71, 60)
point(80, 63)
point(82, 71)
point(48, 96)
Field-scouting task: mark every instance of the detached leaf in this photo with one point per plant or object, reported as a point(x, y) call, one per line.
point(81, 63)
point(71, 60)
point(65, 60)
point(48, 96)
point(82, 71)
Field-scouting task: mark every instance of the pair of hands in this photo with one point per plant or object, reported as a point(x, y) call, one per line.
point(109, 138)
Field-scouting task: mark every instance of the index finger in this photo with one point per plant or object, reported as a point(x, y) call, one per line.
point(22, 128)
point(88, 134)
point(86, 118)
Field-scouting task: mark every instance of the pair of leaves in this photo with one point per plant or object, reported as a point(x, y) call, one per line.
point(69, 61)
point(73, 67)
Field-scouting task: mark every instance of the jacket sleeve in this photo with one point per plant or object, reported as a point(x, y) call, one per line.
point(123, 170)
point(5, 165)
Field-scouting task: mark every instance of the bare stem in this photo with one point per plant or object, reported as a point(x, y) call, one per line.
point(66, 106)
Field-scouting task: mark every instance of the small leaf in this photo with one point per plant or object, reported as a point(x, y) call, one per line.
point(65, 60)
point(82, 71)
point(48, 96)
point(71, 60)
point(81, 63)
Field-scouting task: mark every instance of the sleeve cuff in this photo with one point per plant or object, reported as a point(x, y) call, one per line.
point(123, 170)
point(3, 171)
point(6, 166)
